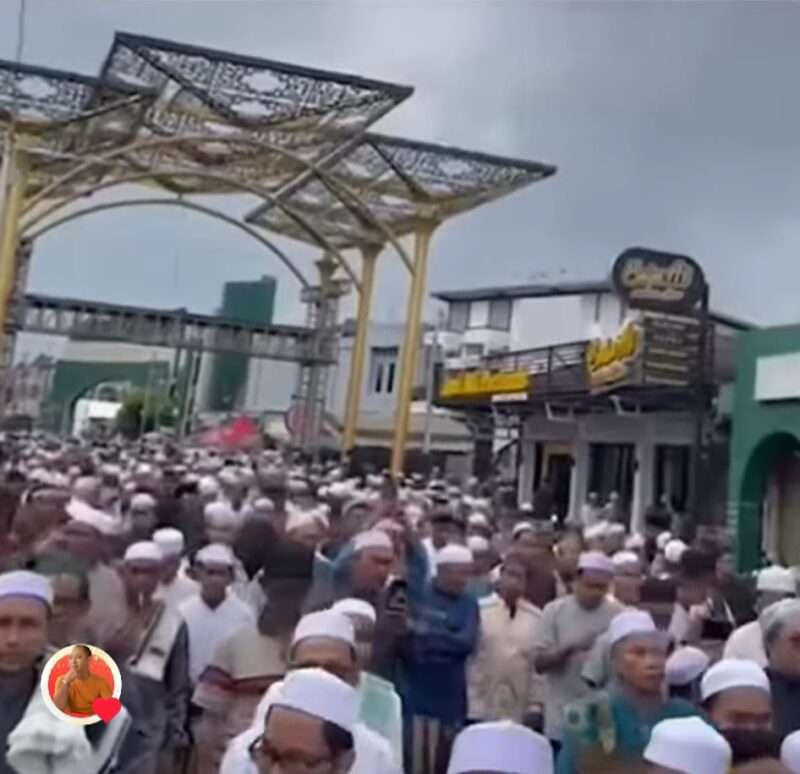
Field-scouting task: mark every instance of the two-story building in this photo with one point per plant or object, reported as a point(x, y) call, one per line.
point(590, 395)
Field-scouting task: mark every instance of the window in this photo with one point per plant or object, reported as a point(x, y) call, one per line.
point(500, 314)
point(383, 367)
point(458, 316)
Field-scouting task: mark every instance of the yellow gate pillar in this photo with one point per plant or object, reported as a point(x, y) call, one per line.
point(12, 197)
point(369, 258)
point(411, 343)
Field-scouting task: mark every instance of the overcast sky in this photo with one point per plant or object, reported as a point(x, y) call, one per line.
point(673, 125)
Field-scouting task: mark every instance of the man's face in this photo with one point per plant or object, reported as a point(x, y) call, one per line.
point(443, 531)
point(784, 653)
point(79, 660)
point(661, 613)
point(142, 577)
point(365, 631)
point(294, 742)
point(512, 580)
point(741, 708)
point(591, 588)
point(640, 662)
point(69, 605)
point(628, 586)
point(143, 520)
point(80, 540)
point(169, 568)
point(692, 591)
point(372, 567)
point(334, 656)
point(214, 580)
point(453, 579)
point(23, 633)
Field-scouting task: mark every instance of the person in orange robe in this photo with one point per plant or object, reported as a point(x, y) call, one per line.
point(76, 690)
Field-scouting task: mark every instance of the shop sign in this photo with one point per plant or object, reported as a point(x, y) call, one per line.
point(483, 384)
point(611, 362)
point(671, 351)
point(646, 279)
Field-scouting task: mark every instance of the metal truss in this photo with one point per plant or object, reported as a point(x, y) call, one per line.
point(400, 183)
point(94, 320)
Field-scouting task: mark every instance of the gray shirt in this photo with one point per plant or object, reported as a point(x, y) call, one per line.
point(565, 622)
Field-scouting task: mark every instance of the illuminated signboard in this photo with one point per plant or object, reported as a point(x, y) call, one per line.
point(480, 384)
point(611, 362)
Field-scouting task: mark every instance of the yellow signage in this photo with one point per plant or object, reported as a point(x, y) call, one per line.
point(484, 384)
point(610, 361)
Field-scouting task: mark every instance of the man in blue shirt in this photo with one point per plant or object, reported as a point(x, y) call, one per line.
point(443, 633)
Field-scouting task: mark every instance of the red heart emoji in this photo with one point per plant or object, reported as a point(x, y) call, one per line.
point(106, 709)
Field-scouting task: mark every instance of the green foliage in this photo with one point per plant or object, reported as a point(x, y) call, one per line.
point(144, 411)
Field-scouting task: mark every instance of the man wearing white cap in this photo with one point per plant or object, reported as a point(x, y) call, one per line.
point(312, 723)
point(781, 624)
point(444, 633)
point(323, 640)
point(151, 650)
point(736, 694)
point(772, 585)
point(500, 747)
point(86, 537)
point(687, 746)
point(502, 680)
point(483, 561)
point(685, 668)
point(212, 614)
point(611, 728)
point(567, 632)
point(790, 752)
point(140, 520)
point(174, 587)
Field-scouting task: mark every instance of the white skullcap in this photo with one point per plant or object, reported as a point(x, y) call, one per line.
point(263, 504)
point(453, 554)
point(82, 512)
point(686, 665)
point(520, 527)
point(628, 623)
point(688, 746)
point(615, 529)
point(373, 538)
point(478, 544)
point(596, 531)
point(298, 518)
point(228, 477)
point(216, 553)
point(208, 486)
point(674, 550)
point(170, 541)
point(144, 469)
point(220, 515)
point(479, 520)
point(634, 542)
point(624, 558)
point(790, 752)
point(662, 540)
point(340, 490)
point(594, 561)
point(325, 624)
point(777, 580)
point(318, 693)
point(354, 606)
point(733, 673)
point(22, 583)
point(142, 501)
point(782, 610)
point(526, 507)
point(503, 747)
point(143, 551)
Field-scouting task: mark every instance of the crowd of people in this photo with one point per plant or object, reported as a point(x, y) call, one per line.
point(268, 616)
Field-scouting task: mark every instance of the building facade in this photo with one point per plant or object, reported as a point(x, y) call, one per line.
point(764, 493)
point(588, 394)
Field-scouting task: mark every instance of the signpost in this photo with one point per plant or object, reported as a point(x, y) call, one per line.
point(672, 292)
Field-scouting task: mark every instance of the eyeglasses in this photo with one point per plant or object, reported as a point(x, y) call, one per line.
point(266, 759)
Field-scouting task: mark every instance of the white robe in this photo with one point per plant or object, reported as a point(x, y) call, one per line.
point(208, 628)
point(175, 593)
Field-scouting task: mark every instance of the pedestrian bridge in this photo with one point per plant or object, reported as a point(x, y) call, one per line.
point(175, 328)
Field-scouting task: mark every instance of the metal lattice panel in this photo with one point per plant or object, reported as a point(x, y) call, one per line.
point(177, 329)
point(401, 181)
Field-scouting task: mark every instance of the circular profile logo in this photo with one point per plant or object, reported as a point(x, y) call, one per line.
point(81, 685)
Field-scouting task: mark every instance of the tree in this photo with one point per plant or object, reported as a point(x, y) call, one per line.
point(143, 411)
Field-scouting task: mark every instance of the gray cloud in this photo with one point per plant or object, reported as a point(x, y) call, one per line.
point(673, 125)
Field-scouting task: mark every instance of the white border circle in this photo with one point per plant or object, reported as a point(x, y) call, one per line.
point(44, 686)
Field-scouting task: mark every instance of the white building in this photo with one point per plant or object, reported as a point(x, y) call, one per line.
point(634, 440)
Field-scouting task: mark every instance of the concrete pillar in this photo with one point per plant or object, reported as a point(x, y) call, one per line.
point(579, 480)
point(643, 483)
point(527, 470)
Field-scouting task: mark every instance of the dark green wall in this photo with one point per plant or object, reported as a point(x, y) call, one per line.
point(762, 434)
point(248, 302)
